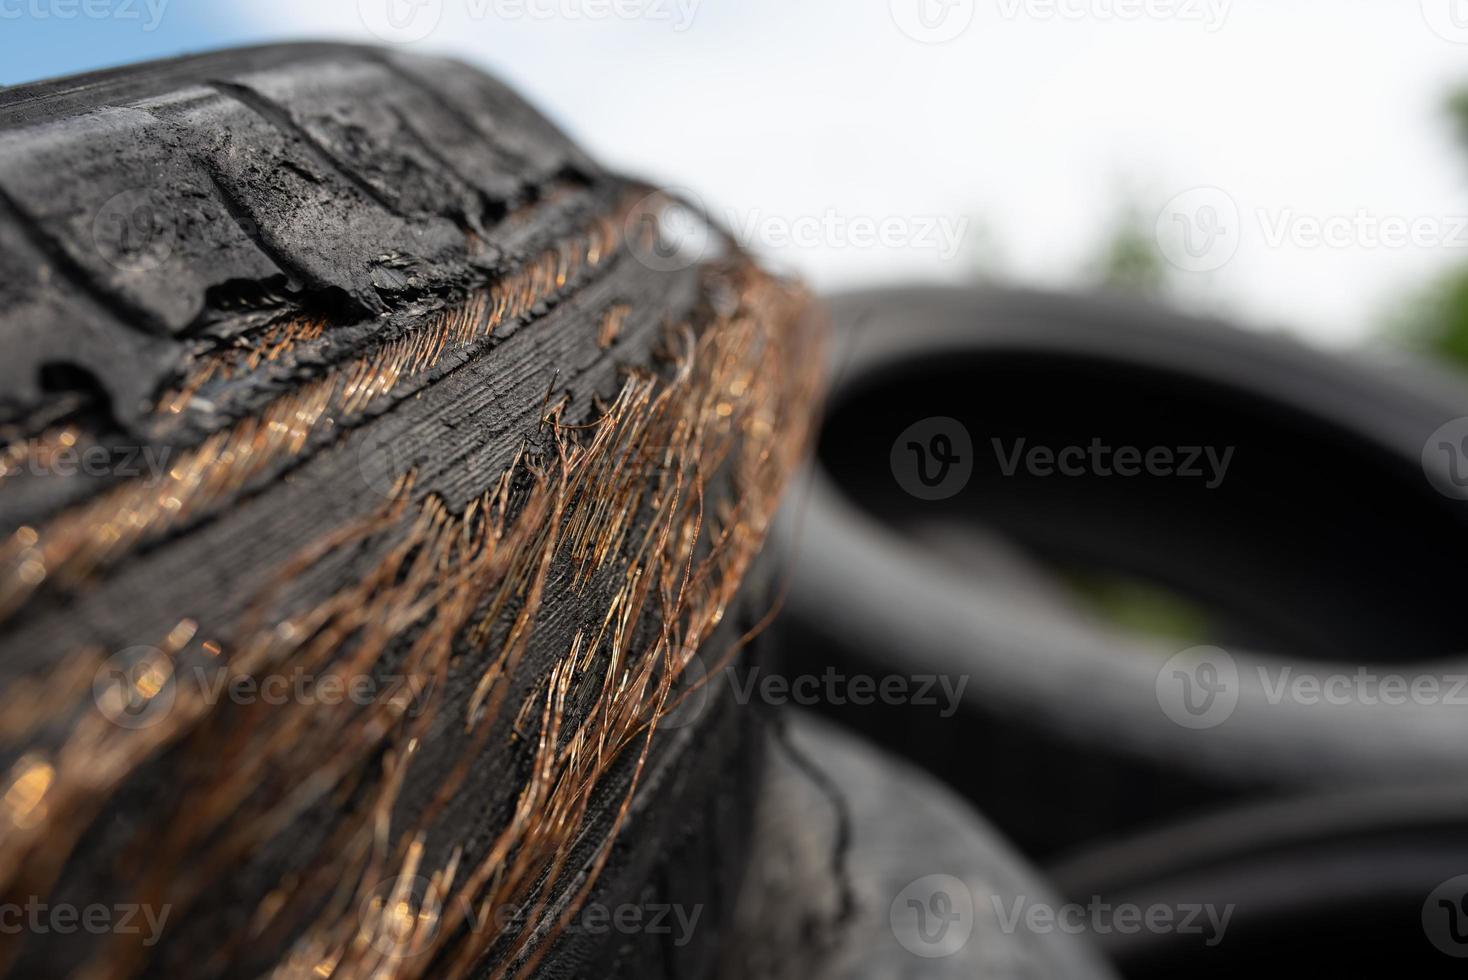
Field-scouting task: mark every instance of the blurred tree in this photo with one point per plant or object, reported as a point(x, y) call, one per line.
point(1129, 259)
point(1435, 319)
point(1457, 106)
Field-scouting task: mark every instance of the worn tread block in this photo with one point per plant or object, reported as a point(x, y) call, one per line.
point(43, 321)
point(327, 230)
point(117, 191)
point(400, 143)
point(320, 177)
point(498, 112)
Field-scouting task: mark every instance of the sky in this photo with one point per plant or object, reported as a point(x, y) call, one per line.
point(1290, 158)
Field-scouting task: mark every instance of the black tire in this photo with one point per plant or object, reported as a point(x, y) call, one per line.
point(1326, 548)
point(847, 837)
point(1369, 883)
point(371, 471)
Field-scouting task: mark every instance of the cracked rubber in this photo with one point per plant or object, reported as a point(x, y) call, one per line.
point(847, 837)
point(153, 214)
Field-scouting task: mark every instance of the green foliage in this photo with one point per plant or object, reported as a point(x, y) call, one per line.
point(1142, 607)
point(1435, 320)
point(1129, 259)
point(1457, 108)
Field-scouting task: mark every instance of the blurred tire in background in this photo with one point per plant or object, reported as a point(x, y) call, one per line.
point(1361, 883)
point(1167, 563)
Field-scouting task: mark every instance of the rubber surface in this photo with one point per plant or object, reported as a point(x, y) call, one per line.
point(867, 868)
point(294, 278)
point(1361, 883)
